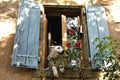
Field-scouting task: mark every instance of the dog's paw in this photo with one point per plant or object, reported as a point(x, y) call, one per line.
point(55, 72)
point(62, 70)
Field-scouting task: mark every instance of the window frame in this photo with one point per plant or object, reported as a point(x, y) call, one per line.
point(85, 59)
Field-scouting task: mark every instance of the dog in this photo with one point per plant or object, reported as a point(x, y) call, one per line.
point(54, 59)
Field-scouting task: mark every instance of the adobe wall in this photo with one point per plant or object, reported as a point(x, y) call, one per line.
point(61, 2)
point(8, 19)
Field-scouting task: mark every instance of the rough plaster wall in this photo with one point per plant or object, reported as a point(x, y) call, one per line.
point(8, 18)
point(62, 2)
point(112, 11)
point(113, 16)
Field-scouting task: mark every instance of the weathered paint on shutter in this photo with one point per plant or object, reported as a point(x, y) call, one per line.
point(97, 28)
point(25, 52)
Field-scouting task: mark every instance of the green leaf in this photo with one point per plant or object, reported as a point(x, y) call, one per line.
point(106, 50)
point(96, 39)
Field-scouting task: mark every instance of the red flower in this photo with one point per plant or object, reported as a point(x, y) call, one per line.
point(71, 31)
point(77, 44)
point(68, 44)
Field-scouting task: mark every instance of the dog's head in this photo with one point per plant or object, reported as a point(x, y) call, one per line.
point(55, 51)
point(59, 49)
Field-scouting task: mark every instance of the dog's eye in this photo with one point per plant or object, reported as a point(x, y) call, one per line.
point(58, 47)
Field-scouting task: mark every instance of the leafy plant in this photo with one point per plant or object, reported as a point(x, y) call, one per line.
point(73, 42)
point(42, 73)
point(106, 56)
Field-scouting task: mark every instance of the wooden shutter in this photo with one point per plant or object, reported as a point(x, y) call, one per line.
point(64, 31)
point(43, 38)
point(25, 52)
point(97, 28)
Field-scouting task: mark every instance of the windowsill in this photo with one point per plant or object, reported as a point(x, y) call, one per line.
point(69, 73)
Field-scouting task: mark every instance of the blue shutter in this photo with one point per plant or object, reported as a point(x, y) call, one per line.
point(25, 52)
point(97, 28)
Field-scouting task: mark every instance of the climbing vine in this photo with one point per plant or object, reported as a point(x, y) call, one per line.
point(107, 58)
point(73, 42)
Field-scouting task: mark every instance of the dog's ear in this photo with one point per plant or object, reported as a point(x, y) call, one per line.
point(51, 47)
point(62, 46)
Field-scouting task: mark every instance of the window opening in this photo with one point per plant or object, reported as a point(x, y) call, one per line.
point(54, 28)
point(54, 25)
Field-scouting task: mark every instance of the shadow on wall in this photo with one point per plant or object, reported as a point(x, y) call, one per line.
point(103, 2)
point(61, 2)
point(8, 18)
point(8, 72)
point(8, 9)
point(112, 11)
point(78, 2)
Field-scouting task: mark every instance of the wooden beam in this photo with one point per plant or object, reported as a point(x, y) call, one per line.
point(64, 31)
point(60, 11)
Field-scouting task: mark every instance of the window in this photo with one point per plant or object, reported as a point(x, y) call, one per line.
point(94, 25)
point(56, 27)
point(34, 28)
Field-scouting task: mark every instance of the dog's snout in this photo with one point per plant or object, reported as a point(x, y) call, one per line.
point(61, 52)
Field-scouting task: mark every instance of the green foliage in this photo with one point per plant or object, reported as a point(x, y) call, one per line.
point(106, 57)
point(41, 73)
point(73, 53)
point(73, 43)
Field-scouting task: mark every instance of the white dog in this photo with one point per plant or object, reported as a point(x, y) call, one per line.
point(55, 52)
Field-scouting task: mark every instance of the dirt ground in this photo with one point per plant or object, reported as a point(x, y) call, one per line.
point(8, 19)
